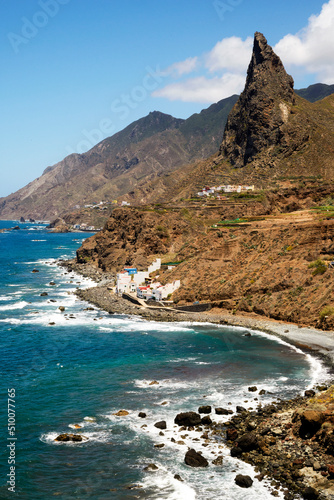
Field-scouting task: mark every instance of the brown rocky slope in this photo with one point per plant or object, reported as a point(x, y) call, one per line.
point(272, 265)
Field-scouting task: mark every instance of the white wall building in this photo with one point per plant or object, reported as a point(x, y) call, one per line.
point(135, 282)
point(124, 283)
point(154, 266)
point(162, 291)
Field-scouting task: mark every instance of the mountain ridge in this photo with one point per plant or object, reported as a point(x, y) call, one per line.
point(148, 147)
point(154, 156)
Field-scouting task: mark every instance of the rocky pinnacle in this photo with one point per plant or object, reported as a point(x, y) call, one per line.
point(255, 123)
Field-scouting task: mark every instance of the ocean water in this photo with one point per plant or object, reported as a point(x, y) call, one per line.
point(80, 367)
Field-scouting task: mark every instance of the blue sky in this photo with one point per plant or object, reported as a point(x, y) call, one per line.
point(77, 71)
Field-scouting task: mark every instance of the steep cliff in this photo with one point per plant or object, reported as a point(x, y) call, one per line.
point(259, 118)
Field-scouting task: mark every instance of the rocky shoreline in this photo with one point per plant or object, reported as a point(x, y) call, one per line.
point(291, 442)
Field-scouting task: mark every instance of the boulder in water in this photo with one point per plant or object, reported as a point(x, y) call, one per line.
point(218, 460)
point(187, 419)
point(204, 409)
point(75, 438)
point(240, 409)
point(206, 420)
point(194, 459)
point(223, 411)
point(161, 425)
point(150, 468)
point(121, 413)
point(243, 481)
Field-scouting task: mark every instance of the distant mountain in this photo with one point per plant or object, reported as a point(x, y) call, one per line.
point(156, 157)
point(316, 92)
point(146, 149)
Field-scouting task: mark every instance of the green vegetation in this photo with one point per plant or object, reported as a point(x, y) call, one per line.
point(318, 266)
point(162, 232)
point(297, 291)
point(248, 246)
point(175, 263)
point(186, 214)
point(326, 207)
point(326, 311)
point(257, 196)
point(230, 222)
point(316, 92)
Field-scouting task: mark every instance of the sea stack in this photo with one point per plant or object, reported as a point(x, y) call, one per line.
point(257, 120)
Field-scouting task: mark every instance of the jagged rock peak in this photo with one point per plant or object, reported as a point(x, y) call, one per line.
point(263, 107)
point(264, 61)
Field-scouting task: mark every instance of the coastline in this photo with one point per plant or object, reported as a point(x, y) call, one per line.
point(295, 464)
point(307, 338)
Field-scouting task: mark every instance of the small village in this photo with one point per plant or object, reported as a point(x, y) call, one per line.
point(139, 283)
point(206, 192)
point(216, 190)
point(103, 205)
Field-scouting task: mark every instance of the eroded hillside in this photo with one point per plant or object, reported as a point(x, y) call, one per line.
point(244, 256)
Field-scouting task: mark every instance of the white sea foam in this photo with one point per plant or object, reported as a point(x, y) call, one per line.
point(16, 305)
point(162, 482)
point(318, 371)
point(40, 262)
point(170, 384)
point(181, 360)
point(100, 436)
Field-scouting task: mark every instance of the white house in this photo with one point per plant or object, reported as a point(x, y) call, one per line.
point(140, 277)
point(128, 282)
point(124, 283)
point(144, 292)
point(161, 292)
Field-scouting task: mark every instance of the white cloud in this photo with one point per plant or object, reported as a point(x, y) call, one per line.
point(229, 58)
point(231, 54)
point(202, 89)
point(311, 49)
point(183, 67)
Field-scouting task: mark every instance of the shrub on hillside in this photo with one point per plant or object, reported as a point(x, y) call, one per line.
point(318, 266)
point(326, 311)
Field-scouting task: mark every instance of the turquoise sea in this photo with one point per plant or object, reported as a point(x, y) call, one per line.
point(82, 366)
